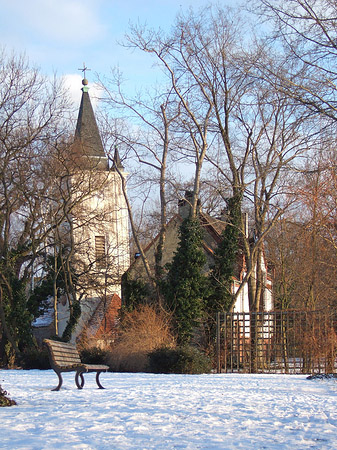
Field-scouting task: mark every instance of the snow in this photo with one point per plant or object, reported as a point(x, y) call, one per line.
point(148, 411)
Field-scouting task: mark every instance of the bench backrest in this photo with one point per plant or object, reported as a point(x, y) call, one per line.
point(62, 354)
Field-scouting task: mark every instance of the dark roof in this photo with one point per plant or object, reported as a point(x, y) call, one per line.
point(214, 225)
point(87, 130)
point(117, 160)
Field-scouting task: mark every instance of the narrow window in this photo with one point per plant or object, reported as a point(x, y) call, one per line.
point(100, 252)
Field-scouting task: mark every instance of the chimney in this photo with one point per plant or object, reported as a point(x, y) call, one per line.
point(185, 204)
point(223, 215)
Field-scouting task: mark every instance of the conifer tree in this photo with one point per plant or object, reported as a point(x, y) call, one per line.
point(185, 286)
point(225, 257)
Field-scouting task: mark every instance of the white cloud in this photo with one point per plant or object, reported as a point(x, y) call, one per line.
point(73, 84)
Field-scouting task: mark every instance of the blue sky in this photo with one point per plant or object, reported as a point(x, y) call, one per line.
point(59, 35)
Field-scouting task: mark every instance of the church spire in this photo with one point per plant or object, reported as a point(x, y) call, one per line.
point(86, 129)
point(117, 163)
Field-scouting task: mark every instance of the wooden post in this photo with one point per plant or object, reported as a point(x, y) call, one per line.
point(218, 343)
point(225, 340)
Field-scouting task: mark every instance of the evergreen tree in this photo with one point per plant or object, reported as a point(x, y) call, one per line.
point(135, 292)
point(55, 283)
point(185, 286)
point(225, 259)
point(15, 314)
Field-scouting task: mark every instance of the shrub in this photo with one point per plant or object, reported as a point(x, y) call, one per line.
point(142, 330)
point(35, 358)
point(93, 355)
point(4, 400)
point(188, 360)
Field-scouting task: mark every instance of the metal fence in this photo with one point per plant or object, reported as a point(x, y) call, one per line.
point(277, 342)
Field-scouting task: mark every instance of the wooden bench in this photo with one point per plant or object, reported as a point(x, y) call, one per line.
point(64, 357)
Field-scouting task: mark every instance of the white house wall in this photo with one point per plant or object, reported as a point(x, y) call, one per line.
point(242, 302)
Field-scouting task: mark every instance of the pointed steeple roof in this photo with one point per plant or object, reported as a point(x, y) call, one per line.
point(86, 129)
point(117, 160)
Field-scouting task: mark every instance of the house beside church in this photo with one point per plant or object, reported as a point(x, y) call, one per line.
point(96, 229)
point(212, 229)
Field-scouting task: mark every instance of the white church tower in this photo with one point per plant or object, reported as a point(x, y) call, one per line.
point(98, 218)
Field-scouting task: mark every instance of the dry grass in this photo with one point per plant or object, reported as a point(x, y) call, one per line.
point(142, 331)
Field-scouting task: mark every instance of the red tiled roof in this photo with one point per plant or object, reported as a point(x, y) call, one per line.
point(104, 318)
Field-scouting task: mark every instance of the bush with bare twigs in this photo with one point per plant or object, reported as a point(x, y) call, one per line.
point(4, 399)
point(318, 347)
point(141, 331)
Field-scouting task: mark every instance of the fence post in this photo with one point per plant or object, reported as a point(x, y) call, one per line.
point(218, 343)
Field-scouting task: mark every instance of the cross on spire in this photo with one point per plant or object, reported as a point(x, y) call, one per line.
point(84, 69)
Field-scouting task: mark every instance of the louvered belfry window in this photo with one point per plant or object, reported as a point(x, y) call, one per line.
point(100, 252)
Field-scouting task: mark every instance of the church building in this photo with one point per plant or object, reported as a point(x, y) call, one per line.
point(96, 227)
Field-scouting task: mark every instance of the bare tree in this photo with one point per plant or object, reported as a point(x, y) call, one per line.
point(30, 113)
point(231, 116)
point(150, 140)
point(191, 119)
point(302, 247)
point(307, 31)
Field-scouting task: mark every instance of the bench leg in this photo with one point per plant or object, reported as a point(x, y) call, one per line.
point(97, 380)
point(79, 384)
point(60, 382)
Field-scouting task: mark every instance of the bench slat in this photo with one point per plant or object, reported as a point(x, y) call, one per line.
point(59, 351)
point(66, 362)
point(62, 345)
point(64, 358)
point(66, 355)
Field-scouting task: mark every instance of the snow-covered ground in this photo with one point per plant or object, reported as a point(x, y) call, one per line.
point(147, 411)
